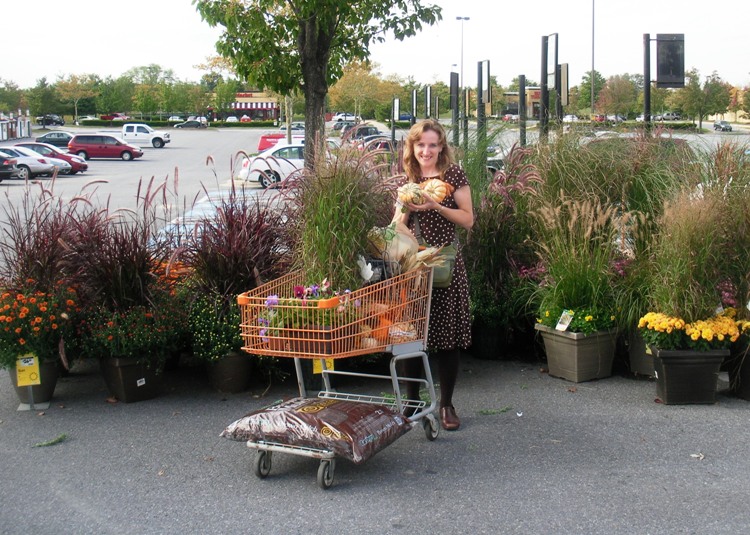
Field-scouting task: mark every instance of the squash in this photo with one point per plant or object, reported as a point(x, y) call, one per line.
point(436, 189)
point(410, 193)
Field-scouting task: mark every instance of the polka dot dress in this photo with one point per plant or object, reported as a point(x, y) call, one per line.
point(450, 321)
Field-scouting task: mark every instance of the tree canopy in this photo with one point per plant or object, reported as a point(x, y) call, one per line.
point(282, 45)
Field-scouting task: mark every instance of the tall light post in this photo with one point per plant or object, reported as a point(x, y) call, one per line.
point(593, 2)
point(461, 79)
point(464, 119)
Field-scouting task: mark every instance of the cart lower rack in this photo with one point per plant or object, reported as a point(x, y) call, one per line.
point(391, 316)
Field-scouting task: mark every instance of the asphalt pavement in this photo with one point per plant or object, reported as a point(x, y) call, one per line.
point(534, 455)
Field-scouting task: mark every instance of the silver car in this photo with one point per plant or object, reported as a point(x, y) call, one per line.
point(32, 164)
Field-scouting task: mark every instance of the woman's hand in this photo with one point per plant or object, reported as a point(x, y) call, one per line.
point(428, 204)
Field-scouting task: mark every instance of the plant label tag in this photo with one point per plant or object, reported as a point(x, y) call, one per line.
point(141, 381)
point(747, 306)
point(318, 365)
point(27, 370)
point(719, 310)
point(565, 318)
point(648, 350)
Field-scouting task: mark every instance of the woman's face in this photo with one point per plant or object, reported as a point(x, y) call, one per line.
point(427, 149)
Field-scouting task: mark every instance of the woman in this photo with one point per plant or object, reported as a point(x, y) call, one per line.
point(428, 155)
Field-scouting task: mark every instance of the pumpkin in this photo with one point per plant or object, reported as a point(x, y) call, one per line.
point(410, 193)
point(436, 189)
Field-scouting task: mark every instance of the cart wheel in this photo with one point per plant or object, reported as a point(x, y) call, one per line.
point(325, 473)
point(262, 463)
point(431, 427)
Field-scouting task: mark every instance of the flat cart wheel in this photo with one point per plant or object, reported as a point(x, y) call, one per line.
point(262, 463)
point(325, 473)
point(431, 427)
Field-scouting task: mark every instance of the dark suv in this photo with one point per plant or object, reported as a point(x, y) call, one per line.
point(102, 146)
point(50, 119)
point(722, 126)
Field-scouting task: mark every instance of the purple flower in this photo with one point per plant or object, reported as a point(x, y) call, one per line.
point(272, 301)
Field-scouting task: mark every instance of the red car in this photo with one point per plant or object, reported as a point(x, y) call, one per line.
point(102, 146)
point(77, 164)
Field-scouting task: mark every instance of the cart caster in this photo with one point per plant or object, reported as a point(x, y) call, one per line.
point(431, 427)
point(262, 463)
point(325, 473)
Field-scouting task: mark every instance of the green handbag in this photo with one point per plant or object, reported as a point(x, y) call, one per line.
point(442, 275)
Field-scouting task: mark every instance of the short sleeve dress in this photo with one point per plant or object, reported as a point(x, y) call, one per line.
point(450, 321)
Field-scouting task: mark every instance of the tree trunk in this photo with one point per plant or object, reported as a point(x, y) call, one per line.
point(314, 46)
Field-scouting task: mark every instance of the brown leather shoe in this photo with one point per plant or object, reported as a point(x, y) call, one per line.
point(449, 419)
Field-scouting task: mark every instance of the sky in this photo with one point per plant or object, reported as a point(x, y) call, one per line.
point(53, 38)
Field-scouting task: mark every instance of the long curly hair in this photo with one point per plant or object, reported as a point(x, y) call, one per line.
point(445, 158)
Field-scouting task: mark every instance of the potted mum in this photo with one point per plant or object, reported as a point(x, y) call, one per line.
point(215, 327)
point(35, 324)
point(575, 315)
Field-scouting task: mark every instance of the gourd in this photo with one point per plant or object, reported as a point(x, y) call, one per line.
point(436, 189)
point(410, 193)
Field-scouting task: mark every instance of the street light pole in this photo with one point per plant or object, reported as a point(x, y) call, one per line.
point(462, 110)
point(593, 2)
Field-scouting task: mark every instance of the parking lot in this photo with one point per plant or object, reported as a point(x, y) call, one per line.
point(205, 159)
point(195, 159)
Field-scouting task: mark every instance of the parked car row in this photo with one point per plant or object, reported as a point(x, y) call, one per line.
point(31, 164)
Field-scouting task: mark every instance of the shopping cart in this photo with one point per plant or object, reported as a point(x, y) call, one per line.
point(391, 316)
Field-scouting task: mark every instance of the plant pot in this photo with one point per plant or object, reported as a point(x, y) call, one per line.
point(739, 373)
point(687, 376)
point(578, 357)
point(641, 363)
point(130, 381)
point(49, 371)
point(230, 374)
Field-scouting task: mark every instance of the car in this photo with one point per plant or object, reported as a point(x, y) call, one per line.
point(361, 131)
point(50, 119)
point(657, 117)
point(191, 124)
point(231, 119)
point(344, 116)
point(175, 119)
point(77, 164)
point(615, 118)
point(376, 142)
point(58, 138)
point(722, 126)
point(83, 118)
point(102, 146)
point(198, 118)
point(245, 119)
point(32, 164)
point(670, 116)
point(405, 117)
point(274, 164)
point(570, 119)
point(8, 167)
point(270, 140)
point(206, 208)
point(295, 126)
point(640, 118)
point(340, 125)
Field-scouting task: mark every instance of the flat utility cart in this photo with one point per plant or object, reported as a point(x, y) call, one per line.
point(391, 316)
